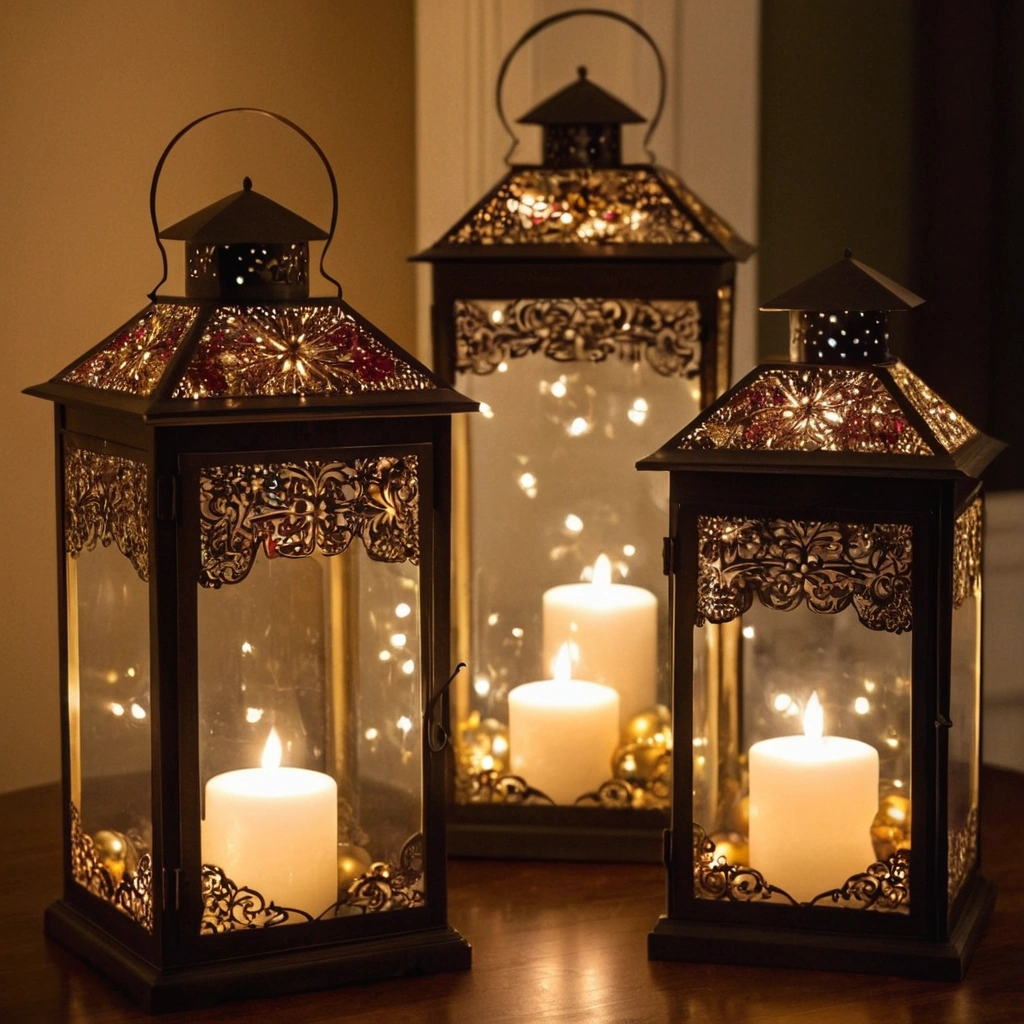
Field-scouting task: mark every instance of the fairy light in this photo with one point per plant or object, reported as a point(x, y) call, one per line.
point(408, 666)
point(403, 611)
point(398, 639)
point(481, 686)
point(138, 712)
point(558, 389)
point(117, 710)
point(579, 426)
point(573, 523)
point(486, 411)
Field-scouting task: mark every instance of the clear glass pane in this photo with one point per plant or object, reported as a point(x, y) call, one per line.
point(802, 712)
point(964, 702)
point(322, 655)
point(564, 541)
point(109, 707)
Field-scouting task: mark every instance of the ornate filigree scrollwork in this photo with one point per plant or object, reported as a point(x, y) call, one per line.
point(132, 893)
point(829, 409)
point(951, 429)
point(961, 854)
point(229, 907)
point(828, 566)
point(665, 333)
point(492, 787)
point(581, 205)
point(883, 886)
point(291, 510)
point(967, 554)
point(287, 350)
point(106, 501)
point(133, 361)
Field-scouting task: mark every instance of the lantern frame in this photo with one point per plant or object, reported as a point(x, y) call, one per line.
point(723, 469)
point(691, 262)
point(172, 439)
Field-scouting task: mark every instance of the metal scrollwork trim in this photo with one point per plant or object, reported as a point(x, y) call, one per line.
point(106, 501)
point(967, 553)
point(961, 854)
point(229, 907)
point(884, 886)
point(291, 510)
point(492, 787)
point(665, 333)
point(787, 563)
point(132, 894)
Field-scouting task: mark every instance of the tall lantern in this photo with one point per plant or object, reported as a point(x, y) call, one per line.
point(827, 515)
point(253, 487)
point(583, 302)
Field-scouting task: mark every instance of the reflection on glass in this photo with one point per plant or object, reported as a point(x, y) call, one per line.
point(563, 535)
point(110, 733)
point(309, 698)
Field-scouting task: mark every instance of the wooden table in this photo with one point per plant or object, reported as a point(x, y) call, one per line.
point(551, 942)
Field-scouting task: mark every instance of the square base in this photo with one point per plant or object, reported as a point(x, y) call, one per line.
point(518, 832)
point(701, 942)
point(198, 985)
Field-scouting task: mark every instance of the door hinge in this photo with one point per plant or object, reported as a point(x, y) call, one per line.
point(172, 889)
point(668, 556)
point(167, 498)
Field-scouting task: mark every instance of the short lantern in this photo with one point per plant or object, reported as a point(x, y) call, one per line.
point(253, 488)
point(583, 302)
point(825, 557)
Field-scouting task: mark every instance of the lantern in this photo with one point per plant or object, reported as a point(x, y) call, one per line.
point(254, 494)
point(583, 302)
point(825, 561)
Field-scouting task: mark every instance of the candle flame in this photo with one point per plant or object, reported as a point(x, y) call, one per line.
point(602, 571)
point(272, 751)
point(562, 666)
point(814, 718)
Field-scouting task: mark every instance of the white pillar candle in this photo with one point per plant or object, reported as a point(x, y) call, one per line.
point(614, 629)
point(275, 829)
point(812, 801)
point(563, 733)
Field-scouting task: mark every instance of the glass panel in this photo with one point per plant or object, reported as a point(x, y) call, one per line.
point(563, 538)
point(949, 426)
point(310, 679)
point(964, 701)
point(290, 350)
point(108, 679)
point(802, 743)
point(134, 359)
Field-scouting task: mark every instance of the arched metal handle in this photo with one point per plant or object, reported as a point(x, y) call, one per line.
point(243, 110)
point(562, 16)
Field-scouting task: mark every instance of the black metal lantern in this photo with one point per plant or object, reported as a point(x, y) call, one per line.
point(254, 495)
point(583, 302)
point(825, 564)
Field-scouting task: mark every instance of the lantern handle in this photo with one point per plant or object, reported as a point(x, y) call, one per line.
point(243, 110)
point(437, 734)
point(562, 16)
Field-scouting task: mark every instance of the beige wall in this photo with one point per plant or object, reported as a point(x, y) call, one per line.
point(92, 91)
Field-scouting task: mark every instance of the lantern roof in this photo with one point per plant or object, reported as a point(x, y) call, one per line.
point(582, 102)
point(845, 285)
point(634, 211)
point(187, 361)
point(244, 216)
point(833, 416)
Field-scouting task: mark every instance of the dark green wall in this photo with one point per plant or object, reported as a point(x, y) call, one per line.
point(835, 142)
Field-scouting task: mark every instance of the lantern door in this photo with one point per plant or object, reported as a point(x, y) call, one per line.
point(312, 670)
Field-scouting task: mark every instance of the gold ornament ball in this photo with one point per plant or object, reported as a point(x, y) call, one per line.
point(651, 726)
point(739, 815)
point(485, 745)
point(890, 831)
point(732, 846)
point(353, 862)
point(116, 853)
point(639, 763)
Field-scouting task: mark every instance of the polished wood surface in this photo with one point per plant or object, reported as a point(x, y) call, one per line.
point(552, 942)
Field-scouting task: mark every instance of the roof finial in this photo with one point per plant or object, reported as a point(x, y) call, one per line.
point(247, 183)
point(582, 71)
point(847, 254)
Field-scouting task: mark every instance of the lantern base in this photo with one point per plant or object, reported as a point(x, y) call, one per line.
point(511, 832)
point(199, 985)
point(704, 942)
